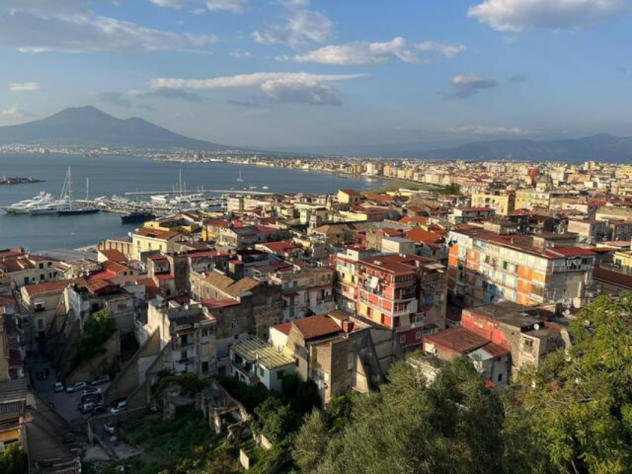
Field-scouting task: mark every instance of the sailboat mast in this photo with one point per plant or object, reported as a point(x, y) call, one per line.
point(69, 188)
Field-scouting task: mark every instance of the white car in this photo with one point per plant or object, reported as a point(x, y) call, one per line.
point(76, 386)
point(100, 380)
point(91, 391)
point(118, 406)
point(59, 387)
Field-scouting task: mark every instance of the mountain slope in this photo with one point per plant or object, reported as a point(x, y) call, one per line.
point(88, 126)
point(603, 147)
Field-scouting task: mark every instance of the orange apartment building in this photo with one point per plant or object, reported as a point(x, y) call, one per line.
point(485, 267)
point(404, 293)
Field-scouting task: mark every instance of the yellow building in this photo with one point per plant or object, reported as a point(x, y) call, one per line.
point(503, 204)
point(147, 239)
point(623, 261)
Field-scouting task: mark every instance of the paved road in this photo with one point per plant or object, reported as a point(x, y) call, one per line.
point(64, 403)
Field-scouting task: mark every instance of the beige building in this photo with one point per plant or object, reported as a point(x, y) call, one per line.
point(503, 204)
point(148, 240)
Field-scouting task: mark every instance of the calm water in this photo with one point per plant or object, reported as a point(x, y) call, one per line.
point(117, 175)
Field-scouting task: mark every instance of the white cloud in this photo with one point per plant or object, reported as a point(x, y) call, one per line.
point(303, 27)
point(234, 6)
point(278, 86)
point(14, 114)
point(24, 87)
point(240, 54)
point(489, 131)
point(517, 15)
point(70, 26)
point(363, 53)
point(467, 85)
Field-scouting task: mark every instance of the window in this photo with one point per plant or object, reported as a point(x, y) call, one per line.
point(261, 372)
point(40, 324)
point(184, 340)
point(528, 343)
point(280, 374)
point(500, 377)
point(41, 266)
point(183, 356)
point(205, 332)
point(204, 367)
point(402, 339)
point(418, 335)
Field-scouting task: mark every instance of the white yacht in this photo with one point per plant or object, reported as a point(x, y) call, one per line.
point(24, 207)
point(47, 208)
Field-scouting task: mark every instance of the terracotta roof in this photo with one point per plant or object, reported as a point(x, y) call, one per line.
point(350, 192)
point(283, 328)
point(113, 255)
point(48, 287)
point(156, 233)
point(457, 339)
point(316, 326)
point(610, 276)
point(420, 235)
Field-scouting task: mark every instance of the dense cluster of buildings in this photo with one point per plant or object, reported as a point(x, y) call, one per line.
point(331, 288)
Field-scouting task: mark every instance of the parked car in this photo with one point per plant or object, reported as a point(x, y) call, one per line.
point(76, 387)
point(59, 387)
point(109, 428)
point(91, 390)
point(92, 397)
point(87, 407)
point(100, 380)
point(99, 410)
point(118, 406)
point(43, 374)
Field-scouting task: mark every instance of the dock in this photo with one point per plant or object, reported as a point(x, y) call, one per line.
point(205, 191)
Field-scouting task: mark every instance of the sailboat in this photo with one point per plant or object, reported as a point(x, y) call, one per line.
point(240, 179)
point(68, 207)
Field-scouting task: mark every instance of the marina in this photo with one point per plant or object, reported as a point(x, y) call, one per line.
point(121, 186)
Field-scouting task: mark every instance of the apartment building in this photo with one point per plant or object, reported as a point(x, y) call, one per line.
point(187, 334)
point(485, 267)
point(26, 269)
point(462, 215)
point(306, 291)
point(403, 293)
point(503, 203)
point(42, 302)
point(588, 230)
point(335, 352)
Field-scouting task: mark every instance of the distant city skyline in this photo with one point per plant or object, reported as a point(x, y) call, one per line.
point(319, 72)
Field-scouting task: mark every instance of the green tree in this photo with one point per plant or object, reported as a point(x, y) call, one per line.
point(310, 443)
point(96, 332)
point(580, 401)
point(14, 460)
point(275, 420)
point(451, 426)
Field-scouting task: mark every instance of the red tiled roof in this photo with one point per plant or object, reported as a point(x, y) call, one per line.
point(316, 326)
point(457, 339)
point(113, 255)
point(611, 276)
point(49, 286)
point(284, 328)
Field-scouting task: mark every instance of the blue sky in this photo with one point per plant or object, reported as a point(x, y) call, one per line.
point(325, 72)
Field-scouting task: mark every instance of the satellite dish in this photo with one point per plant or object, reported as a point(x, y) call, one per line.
point(536, 327)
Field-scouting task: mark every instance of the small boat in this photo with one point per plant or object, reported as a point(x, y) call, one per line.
point(265, 188)
point(137, 216)
point(240, 179)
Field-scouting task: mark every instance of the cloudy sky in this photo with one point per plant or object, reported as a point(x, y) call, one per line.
point(325, 72)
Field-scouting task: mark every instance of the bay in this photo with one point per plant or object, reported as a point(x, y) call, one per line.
point(111, 175)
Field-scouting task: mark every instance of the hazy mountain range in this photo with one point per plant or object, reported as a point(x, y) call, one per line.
point(88, 126)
